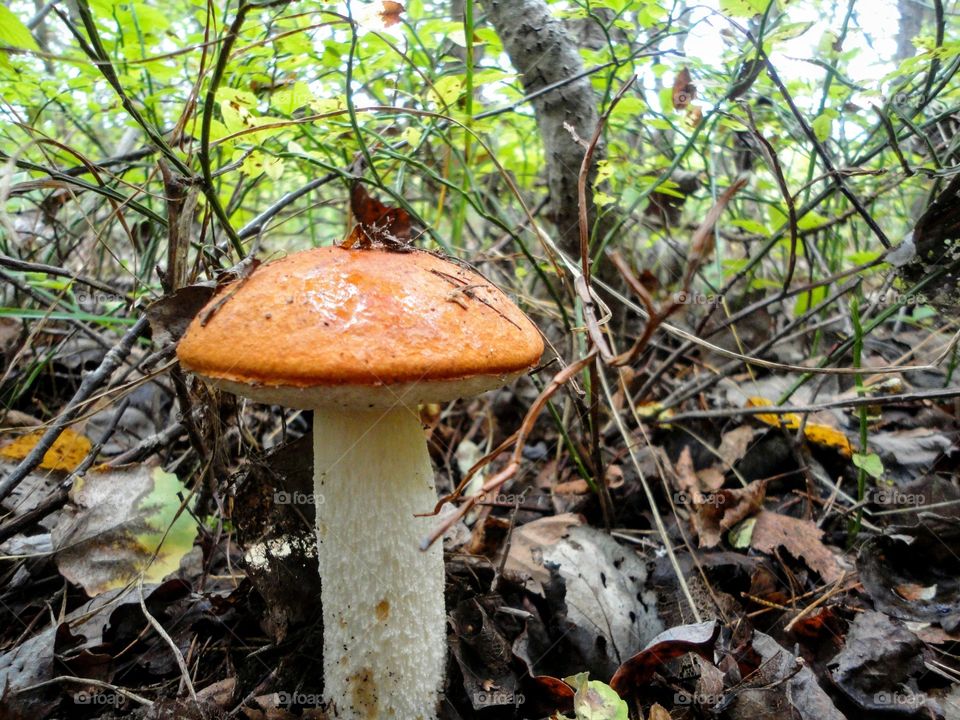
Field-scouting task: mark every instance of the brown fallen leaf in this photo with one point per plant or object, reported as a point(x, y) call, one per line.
point(801, 538)
point(725, 508)
point(527, 543)
point(572, 487)
point(668, 645)
point(734, 444)
point(685, 477)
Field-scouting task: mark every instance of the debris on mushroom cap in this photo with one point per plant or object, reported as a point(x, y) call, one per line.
point(334, 325)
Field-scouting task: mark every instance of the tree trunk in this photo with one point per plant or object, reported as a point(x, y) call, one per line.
point(912, 15)
point(544, 53)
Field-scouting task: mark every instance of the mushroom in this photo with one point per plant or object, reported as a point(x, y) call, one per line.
point(362, 337)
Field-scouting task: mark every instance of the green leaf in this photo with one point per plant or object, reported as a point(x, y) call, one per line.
point(742, 8)
point(790, 31)
point(600, 198)
point(870, 463)
point(811, 221)
point(289, 99)
point(411, 136)
point(446, 90)
point(809, 299)
point(751, 226)
point(594, 700)
point(742, 533)
point(821, 126)
point(862, 257)
point(13, 32)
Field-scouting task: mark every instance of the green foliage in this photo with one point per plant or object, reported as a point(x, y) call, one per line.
point(594, 700)
point(305, 90)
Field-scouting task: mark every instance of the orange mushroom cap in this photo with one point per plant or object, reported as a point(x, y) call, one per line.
point(362, 328)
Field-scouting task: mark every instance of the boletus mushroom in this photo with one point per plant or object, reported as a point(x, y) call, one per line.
point(361, 337)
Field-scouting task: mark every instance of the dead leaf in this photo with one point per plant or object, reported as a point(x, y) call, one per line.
point(686, 478)
point(684, 91)
point(658, 712)
point(801, 538)
point(527, 546)
point(908, 454)
point(668, 645)
point(888, 563)
point(390, 13)
point(727, 507)
point(609, 610)
point(734, 444)
point(121, 524)
point(377, 224)
point(878, 668)
point(170, 315)
point(66, 453)
point(572, 487)
point(781, 686)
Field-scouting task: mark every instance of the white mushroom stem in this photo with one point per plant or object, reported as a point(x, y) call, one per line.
point(384, 640)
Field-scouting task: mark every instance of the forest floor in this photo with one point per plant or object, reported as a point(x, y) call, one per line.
point(781, 595)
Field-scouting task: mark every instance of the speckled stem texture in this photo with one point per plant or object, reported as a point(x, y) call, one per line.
point(383, 614)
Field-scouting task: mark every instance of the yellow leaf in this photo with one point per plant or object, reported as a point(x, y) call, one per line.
point(826, 436)
point(791, 421)
point(67, 453)
point(816, 433)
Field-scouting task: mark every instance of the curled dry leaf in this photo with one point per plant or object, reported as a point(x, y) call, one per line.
point(170, 315)
point(726, 508)
point(391, 12)
point(668, 645)
point(377, 224)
